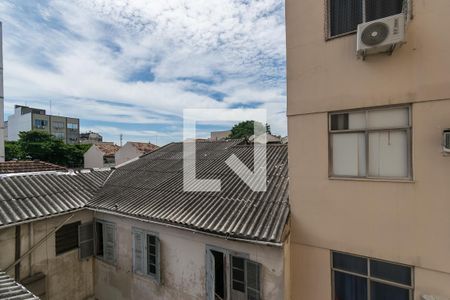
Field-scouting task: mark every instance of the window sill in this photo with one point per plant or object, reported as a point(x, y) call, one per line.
point(391, 180)
point(330, 38)
point(147, 277)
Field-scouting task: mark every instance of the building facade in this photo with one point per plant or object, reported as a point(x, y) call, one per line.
point(369, 182)
point(27, 118)
point(132, 150)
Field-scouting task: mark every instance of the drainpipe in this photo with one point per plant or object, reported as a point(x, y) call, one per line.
point(17, 256)
point(30, 244)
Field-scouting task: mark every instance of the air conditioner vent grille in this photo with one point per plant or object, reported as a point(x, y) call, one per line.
point(375, 34)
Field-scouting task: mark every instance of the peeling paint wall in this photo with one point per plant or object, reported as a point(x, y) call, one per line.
point(66, 276)
point(182, 264)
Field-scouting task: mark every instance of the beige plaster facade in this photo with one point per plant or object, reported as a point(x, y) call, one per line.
point(406, 221)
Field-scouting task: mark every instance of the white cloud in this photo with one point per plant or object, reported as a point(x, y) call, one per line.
point(78, 52)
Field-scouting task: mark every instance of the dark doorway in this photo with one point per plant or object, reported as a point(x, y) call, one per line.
point(219, 275)
point(99, 239)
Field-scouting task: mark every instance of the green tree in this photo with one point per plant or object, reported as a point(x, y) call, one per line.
point(245, 129)
point(43, 146)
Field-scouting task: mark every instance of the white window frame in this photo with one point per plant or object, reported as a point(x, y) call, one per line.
point(366, 132)
point(370, 278)
point(157, 276)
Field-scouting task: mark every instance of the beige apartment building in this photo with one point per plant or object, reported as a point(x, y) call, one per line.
point(369, 181)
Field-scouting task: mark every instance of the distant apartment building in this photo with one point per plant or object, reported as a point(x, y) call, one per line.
point(91, 138)
point(27, 118)
point(132, 150)
point(101, 156)
point(369, 180)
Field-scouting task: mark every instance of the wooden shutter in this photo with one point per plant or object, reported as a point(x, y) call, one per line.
point(158, 260)
point(210, 270)
point(252, 278)
point(138, 251)
point(66, 238)
point(86, 240)
point(109, 242)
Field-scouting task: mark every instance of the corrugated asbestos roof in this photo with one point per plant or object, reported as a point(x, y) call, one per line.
point(151, 188)
point(28, 197)
point(10, 289)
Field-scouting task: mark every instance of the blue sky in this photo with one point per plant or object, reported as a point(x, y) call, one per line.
point(130, 66)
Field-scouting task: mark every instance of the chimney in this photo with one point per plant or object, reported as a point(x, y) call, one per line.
point(2, 123)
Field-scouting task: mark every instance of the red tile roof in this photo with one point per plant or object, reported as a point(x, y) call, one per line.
point(108, 149)
point(144, 147)
point(25, 166)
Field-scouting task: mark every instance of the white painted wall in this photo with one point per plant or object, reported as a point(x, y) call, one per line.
point(126, 153)
point(93, 158)
point(182, 264)
point(18, 123)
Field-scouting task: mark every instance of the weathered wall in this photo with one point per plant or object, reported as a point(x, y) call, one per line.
point(66, 276)
point(93, 158)
point(182, 265)
point(126, 153)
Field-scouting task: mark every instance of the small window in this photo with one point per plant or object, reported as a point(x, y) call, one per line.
point(372, 143)
point(66, 238)
point(245, 278)
point(72, 125)
point(105, 241)
point(40, 124)
point(146, 254)
point(385, 280)
point(345, 15)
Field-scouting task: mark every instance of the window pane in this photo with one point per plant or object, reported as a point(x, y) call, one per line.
point(377, 9)
point(350, 263)
point(357, 120)
point(391, 272)
point(379, 291)
point(349, 287)
point(349, 154)
point(238, 286)
point(388, 118)
point(345, 15)
point(339, 121)
point(238, 262)
point(152, 269)
point(238, 275)
point(388, 154)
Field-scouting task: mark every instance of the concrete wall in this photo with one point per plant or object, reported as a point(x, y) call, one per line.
point(93, 158)
point(18, 123)
point(405, 222)
point(66, 276)
point(182, 265)
point(126, 153)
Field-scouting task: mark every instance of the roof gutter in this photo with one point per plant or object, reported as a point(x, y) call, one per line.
point(41, 218)
point(263, 243)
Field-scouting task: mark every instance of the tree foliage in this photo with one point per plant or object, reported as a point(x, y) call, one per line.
point(43, 146)
point(245, 129)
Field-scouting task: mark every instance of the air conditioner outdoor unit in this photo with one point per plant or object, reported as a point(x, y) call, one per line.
point(381, 36)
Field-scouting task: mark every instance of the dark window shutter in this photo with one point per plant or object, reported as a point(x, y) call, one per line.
point(377, 9)
point(252, 270)
point(109, 242)
point(86, 240)
point(158, 260)
point(344, 16)
point(66, 238)
point(138, 251)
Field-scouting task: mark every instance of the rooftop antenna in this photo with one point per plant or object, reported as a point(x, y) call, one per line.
point(50, 106)
point(121, 137)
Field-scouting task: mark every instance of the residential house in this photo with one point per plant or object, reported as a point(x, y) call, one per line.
point(132, 150)
point(28, 118)
point(100, 156)
point(141, 236)
point(220, 135)
point(92, 138)
point(39, 218)
point(265, 138)
point(27, 166)
point(369, 183)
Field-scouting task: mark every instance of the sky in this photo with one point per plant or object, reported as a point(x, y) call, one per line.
point(131, 66)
